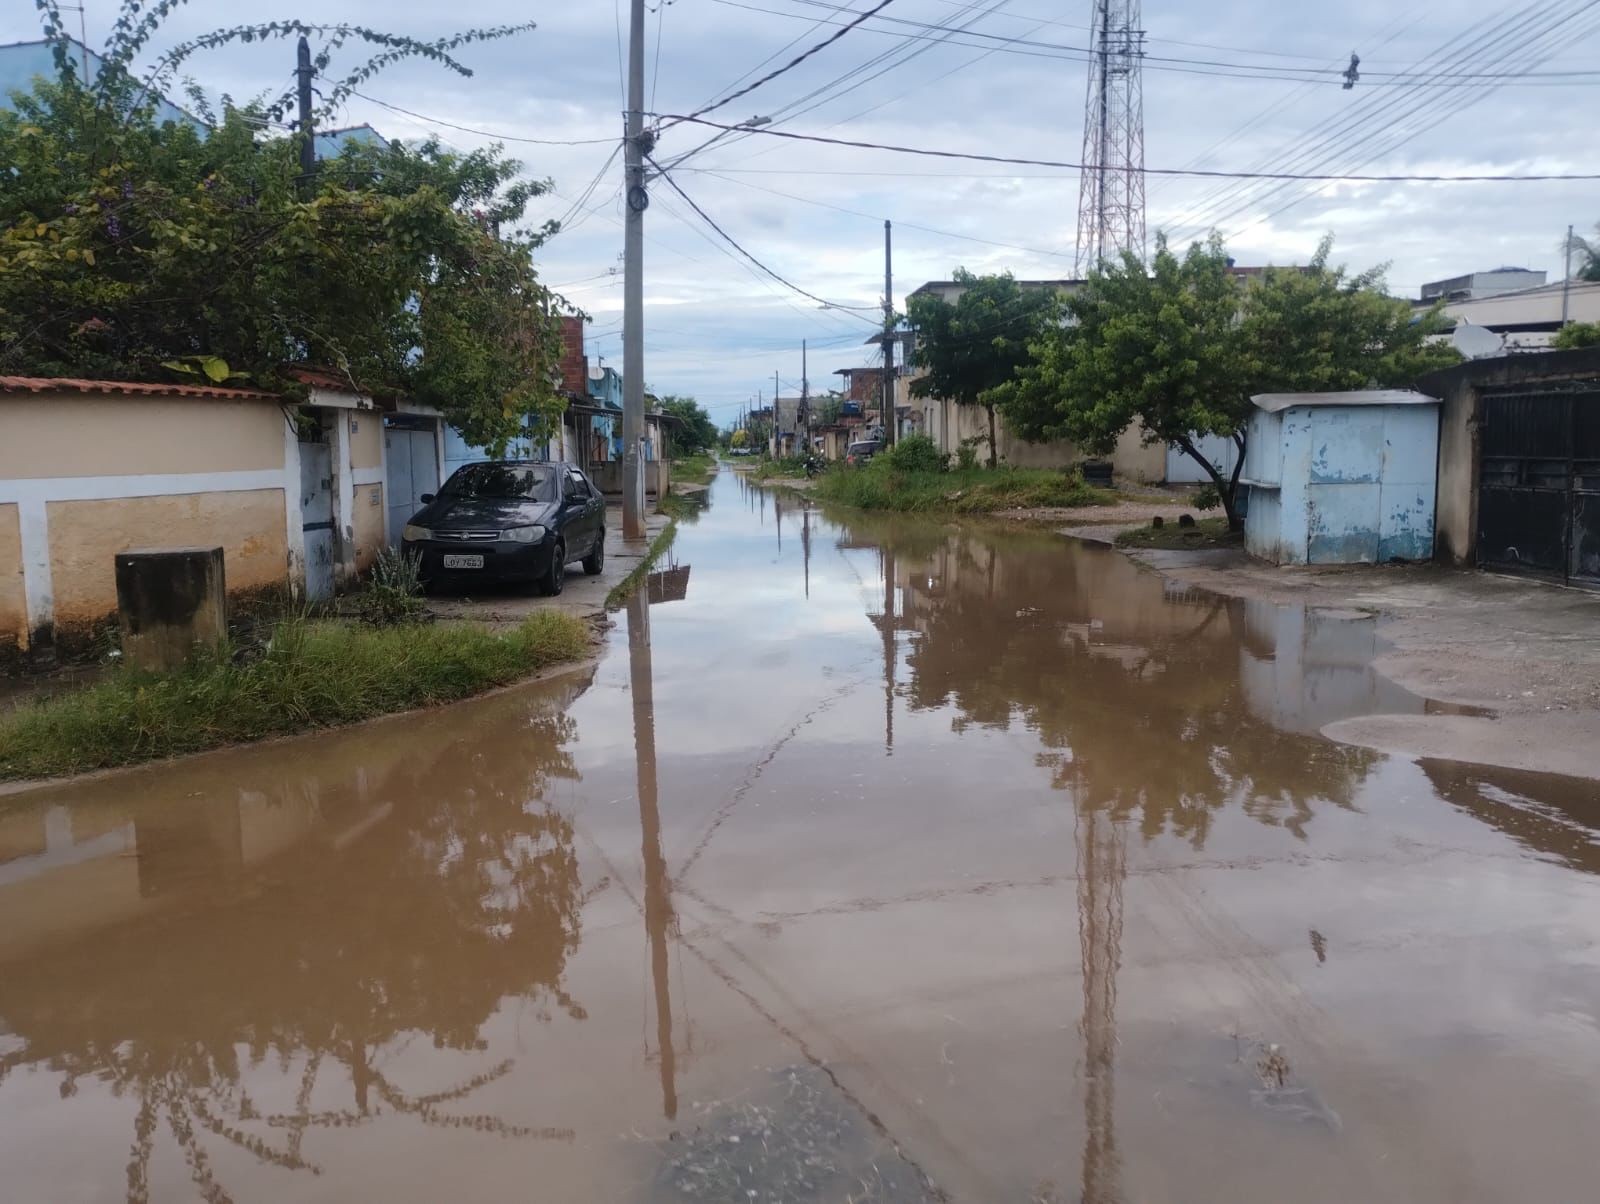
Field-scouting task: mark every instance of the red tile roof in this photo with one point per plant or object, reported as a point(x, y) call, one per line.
point(135, 388)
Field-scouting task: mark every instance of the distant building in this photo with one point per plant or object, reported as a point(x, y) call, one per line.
point(1476, 285)
point(22, 63)
point(1527, 319)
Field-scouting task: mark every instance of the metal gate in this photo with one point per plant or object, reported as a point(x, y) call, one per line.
point(316, 511)
point(413, 461)
point(1539, 484)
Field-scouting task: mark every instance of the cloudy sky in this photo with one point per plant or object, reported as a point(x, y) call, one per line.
point(1236, 85)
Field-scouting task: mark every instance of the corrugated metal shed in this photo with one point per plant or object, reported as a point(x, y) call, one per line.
point(1342, 478)
point(1274, 403)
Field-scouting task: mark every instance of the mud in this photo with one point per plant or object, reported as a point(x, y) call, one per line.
point(928, 864)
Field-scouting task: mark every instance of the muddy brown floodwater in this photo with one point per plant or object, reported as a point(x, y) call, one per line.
point(875, 861)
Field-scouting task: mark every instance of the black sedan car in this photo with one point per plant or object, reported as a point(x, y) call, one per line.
point(509, 520)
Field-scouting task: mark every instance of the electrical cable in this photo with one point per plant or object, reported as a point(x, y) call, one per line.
point(860, 144)
point(794, 62)
point(1339, 130)
point(899, 223)
point(1037, 49)
point(1388, 115)
point(1396, 140)
point(467, 129)
point(868, 71)
point(744, 265)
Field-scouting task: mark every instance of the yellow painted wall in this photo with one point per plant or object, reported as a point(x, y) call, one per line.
point(366, 524)
point(73, 435)
point(86, 535)
point(13, 602)
point(366, 440)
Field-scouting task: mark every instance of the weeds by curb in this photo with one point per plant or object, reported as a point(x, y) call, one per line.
point(624, 589)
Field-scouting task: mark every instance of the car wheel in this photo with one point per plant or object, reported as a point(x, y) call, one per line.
point(596, 560)
point(556, 575)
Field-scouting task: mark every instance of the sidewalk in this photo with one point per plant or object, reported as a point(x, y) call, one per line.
point(1523, 654)
point(583, 595)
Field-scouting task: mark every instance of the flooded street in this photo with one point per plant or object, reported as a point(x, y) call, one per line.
point(876, 860)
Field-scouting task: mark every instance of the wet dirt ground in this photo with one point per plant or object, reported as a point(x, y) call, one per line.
point(874, 861)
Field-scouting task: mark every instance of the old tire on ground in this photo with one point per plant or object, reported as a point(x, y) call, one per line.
point(556, 575)
point(596, 560)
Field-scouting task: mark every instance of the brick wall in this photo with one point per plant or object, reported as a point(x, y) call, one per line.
point(574, 364)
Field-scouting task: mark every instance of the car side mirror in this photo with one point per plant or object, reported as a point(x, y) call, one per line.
point(427, 497)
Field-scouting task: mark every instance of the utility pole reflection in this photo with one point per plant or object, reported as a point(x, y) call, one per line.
point(658, 915)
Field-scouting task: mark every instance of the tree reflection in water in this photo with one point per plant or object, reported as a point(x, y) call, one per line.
point(453, 889)
point(1136, 696)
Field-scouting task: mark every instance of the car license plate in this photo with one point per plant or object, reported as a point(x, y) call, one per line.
point(463, 562)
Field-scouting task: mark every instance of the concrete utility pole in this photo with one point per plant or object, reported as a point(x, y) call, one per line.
point(890, 423)
point(803, 418)
point(633, 285)
point(1566, 280)
point(308, 136)
point(777, 430)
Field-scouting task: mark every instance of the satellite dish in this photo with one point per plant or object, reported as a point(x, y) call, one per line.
point(597, 371)
point(1476, 342)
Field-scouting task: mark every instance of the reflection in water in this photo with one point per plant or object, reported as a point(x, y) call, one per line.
point(1155, 704)
point(658, 917)
point(301, 924)
point(1548, 814)
point(360, 953)
point(1102, 866)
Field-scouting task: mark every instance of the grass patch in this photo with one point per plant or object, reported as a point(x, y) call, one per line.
point(694, 470)
point(1207, 533)
point(785, 467)
point(309, 674)
point(624, 589)
point(881, 486)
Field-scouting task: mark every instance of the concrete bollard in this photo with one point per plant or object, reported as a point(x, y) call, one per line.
point(170, 599)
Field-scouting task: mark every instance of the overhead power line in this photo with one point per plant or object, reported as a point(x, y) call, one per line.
point(1034, 48)
point(467, 129)
point(878, 217)
point(1200, 172)
point(734, 243)
point(796, 61)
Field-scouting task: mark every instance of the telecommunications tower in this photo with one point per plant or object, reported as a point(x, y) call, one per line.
point(1111, 193)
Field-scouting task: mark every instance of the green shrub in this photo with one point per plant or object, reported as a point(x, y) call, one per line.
point(915, 453)
point(1206, 497)
point(308, 674)
point(881, 486)
point(967, 455)
point(394, 590)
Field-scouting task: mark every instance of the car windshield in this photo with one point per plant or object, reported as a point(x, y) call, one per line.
point(505, 482)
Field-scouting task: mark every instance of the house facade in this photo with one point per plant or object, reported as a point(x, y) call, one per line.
point(294, 494)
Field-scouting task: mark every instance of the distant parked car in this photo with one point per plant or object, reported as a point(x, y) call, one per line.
point(862, 451)
point(509, 520)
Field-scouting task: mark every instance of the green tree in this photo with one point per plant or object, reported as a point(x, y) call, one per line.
point(1160, 347)
point(698, 432)
point(1577, 334)
point(973, 347)
point(1585, 253)
point(132, 248)
point(1181, 348)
